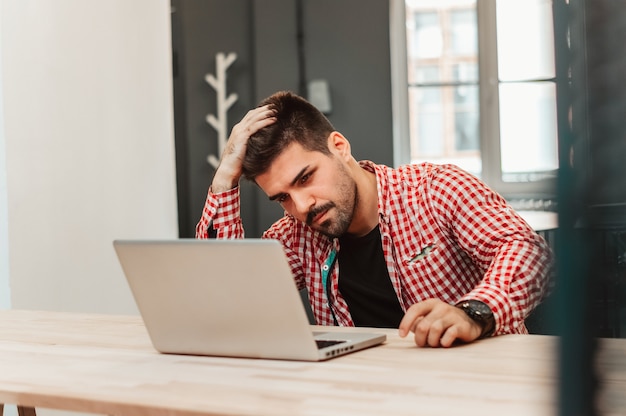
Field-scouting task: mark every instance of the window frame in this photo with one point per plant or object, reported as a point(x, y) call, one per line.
point(488, 84)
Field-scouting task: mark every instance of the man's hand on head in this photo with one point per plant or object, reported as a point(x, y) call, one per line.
point(435, 323)
point(229, 170)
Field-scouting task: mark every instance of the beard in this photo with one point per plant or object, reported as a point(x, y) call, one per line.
point(336, 225)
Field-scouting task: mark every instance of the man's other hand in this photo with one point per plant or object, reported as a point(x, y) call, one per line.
point(435, 323)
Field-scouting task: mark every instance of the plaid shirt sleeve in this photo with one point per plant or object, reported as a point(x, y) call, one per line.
point(220, 216)
point(294, 243)
point(518, 262)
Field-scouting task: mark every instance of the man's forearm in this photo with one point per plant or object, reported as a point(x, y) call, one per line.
point(223, 180)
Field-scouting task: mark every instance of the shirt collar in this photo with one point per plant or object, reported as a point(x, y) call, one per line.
point(382, 183)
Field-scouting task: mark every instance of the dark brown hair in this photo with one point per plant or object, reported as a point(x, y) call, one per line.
point(297, 120)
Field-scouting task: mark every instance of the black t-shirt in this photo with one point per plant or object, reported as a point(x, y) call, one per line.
point(365, 284)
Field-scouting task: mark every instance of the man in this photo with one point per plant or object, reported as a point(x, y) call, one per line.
point(426, 248)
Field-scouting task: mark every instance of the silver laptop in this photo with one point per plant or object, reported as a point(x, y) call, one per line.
point(233, 298)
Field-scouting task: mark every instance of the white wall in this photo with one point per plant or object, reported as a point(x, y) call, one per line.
point(5, 295)
point(88, 135)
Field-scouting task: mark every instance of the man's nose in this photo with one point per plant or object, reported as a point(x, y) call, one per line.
point(302, 202)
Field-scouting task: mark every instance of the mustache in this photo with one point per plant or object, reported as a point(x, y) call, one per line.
point(315, 211)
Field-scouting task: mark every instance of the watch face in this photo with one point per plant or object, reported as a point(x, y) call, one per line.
point(480, 308)
point(481, 313)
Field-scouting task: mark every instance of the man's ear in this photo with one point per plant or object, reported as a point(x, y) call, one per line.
point(339, 145)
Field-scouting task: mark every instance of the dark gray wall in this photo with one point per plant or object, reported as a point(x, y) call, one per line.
point(201, 29)
point(345, 42)
point(606, 94)
point(348, 44)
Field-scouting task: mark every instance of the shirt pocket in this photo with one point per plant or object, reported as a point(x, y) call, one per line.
point(419, 255)
point(419, 272)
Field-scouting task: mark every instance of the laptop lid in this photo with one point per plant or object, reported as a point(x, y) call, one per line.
point(225, 298)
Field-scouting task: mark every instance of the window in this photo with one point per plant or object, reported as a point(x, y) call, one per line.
point(474, 85)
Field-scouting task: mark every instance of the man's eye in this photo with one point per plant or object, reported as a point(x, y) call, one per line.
point(305, 178)
point(281, 199)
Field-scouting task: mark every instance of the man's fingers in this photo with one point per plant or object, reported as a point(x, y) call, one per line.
point(410, 319)
point(420, 331)
point(260, 114)
point(440, 332)
point(435, 331)
point(449, 336)
point(437, 324)
point(253, 121)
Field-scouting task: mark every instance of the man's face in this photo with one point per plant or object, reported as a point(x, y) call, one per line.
point(315, 188)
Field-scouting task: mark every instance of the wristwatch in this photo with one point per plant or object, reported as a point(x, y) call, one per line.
point(481, 314)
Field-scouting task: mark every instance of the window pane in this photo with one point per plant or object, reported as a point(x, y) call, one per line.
point(464, 35)
point(465, 72)
point(466, 127)
point(466, 105)
point(442, 42)
point(525, 39)
point(426, 39)
point(444, 126)
point(528, 135)
point(426, 122)
point(427, 74)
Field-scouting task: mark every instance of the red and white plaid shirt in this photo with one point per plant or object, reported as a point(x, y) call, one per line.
point(445, 235)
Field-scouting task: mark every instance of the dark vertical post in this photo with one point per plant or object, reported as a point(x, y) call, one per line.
point(185, 223)
point(576, 347)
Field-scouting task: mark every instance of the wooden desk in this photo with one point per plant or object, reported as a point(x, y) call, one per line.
point(106, 364)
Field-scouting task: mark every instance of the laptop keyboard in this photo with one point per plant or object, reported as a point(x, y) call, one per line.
point(322, 343)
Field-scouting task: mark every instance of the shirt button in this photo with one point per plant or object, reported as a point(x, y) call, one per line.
point(325, 267)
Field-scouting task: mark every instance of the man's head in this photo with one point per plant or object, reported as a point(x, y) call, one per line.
point(297, 121)
point(301, 162)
